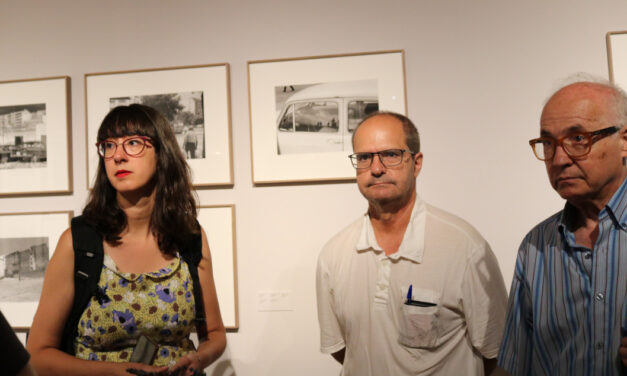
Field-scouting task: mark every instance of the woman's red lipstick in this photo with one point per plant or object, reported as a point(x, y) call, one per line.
point(121, 173)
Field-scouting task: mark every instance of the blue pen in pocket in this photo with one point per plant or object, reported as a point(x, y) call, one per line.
point(410, 301)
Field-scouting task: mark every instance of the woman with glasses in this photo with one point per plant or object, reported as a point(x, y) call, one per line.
point(143, 212)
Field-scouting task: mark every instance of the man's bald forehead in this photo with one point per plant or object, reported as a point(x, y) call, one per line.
point(412, 138)
point(605, 98)
point(382, 117)
point(584, 89)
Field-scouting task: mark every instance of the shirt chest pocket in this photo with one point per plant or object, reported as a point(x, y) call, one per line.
point(419, 319)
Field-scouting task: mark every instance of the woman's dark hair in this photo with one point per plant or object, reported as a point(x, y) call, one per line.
point(174, 213)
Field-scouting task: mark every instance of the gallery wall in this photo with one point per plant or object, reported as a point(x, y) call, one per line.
point(477, 74)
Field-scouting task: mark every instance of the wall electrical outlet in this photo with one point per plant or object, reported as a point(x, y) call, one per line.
point(274, 300)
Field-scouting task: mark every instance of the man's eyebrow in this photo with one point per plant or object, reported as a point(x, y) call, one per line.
point(571, 129)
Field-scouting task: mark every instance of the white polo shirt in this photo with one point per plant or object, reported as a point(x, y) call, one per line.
point(455, 277)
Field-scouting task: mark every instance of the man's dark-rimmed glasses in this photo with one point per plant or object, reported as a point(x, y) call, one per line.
point(389, 158)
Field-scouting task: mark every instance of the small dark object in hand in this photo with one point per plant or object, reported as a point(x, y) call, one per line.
point(196, 372)
point(139, 372)
point(144, 351)
point(175, 372)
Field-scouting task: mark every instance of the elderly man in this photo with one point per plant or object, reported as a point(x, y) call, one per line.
point(407, 289)
point(567, 310)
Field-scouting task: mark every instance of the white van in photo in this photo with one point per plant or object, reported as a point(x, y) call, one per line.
point(322, 117)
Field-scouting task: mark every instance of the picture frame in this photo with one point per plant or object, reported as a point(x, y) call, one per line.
point(218, 221)
point(616, 42)
point(303, 111)
point(27, 241)
point(35, 137)
point(196, 101)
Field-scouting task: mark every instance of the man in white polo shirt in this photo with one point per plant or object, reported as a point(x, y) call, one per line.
point(407, 289)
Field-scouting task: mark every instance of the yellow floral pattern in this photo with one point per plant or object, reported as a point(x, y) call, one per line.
point(159, 305)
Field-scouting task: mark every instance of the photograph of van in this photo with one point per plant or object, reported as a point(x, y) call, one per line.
point(320, 118)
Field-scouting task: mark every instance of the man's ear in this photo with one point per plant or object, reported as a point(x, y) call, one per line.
point(417, 164)
point(622, 133)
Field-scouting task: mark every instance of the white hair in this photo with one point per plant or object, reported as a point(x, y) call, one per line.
point(620, 97)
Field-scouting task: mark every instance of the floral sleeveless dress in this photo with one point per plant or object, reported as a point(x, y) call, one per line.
point(159, 305)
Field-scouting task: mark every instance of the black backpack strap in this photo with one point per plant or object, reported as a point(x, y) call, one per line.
point(191, 253)
point(88, 260)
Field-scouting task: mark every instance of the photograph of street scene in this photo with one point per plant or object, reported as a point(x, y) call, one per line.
point(319, 118)
point(23, 262)
point(185, 111)
point(23, 136)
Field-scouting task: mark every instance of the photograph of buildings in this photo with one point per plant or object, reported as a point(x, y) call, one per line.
point(23, 136)
point(23, 262)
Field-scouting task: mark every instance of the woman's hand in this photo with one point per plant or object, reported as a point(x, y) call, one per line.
point(188, 365)
point(138, 369)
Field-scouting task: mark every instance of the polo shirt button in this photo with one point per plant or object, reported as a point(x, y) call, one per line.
point(599, 296)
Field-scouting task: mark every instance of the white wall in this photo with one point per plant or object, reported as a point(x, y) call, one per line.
point(477, 75)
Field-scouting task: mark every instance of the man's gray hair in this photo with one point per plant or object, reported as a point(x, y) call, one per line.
point(620, 97)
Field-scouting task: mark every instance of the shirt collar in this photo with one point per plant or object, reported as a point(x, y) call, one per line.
point(413, 244)
point(615, 209)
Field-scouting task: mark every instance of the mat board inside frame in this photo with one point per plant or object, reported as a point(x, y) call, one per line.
point(303, 111)
point(194, 99)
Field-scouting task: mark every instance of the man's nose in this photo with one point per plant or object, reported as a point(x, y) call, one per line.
point(560, 156)
point(377, 167)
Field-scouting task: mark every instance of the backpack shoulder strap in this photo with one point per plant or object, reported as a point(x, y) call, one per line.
point(88, 260)
point(191, 253)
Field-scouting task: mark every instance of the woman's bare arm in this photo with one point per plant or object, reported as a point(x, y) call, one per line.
point(54, 308)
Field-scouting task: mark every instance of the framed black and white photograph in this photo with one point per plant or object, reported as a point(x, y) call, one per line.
point(303, 111)
point(194, 99)
point(27, 241)
point(617, 57)
point(35, 137)
point(219, 225)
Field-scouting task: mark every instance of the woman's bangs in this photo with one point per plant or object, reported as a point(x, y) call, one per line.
point(122, 123)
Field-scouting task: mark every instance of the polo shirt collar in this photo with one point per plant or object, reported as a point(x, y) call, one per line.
point(413, 243)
